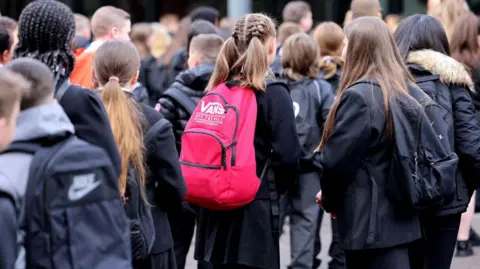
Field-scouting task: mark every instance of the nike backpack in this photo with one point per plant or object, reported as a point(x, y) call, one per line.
point(218, 156)
point(74, 215)
point(423, 169)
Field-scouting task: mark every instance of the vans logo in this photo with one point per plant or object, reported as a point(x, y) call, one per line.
point(213, 108)
point(81, 186)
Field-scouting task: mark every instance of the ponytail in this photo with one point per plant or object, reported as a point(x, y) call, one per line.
point(127, 126)
point(227, 57)
point(329, 66)
point(256, 64)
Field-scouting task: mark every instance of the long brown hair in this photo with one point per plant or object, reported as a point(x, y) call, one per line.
point(329, 37)
point(464, 45)
point(299, 57)
point(116, 64)
point(244, 56)
point(371, 54)
point(179, 41)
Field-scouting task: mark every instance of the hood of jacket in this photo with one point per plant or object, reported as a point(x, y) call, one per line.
point(42, 121)
point(196, 78)
point(451, 72)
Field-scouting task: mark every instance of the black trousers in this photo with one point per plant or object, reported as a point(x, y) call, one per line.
point(439, 241)
point(399, 257)
point(164, 260)
point(229, 266)
point(335, 251)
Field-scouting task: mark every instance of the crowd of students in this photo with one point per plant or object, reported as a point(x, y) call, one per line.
point(108, 161)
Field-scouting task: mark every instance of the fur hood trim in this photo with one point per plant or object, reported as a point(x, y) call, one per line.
point(449, 70)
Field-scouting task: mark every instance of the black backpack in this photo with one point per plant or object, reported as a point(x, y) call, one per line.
point(182, 99)
point(423, 169)
point(142, 230)
point(75, 216)
point(307, 99)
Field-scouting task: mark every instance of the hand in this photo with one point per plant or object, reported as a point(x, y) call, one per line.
point(318, 198)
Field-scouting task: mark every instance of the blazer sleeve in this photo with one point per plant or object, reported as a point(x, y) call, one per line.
point(341, 155)
point(8, 222)
point(91, 122)
point(170, 185)
point(467, 135)
point(284, 140)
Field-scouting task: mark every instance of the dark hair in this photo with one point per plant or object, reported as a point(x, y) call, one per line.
point(421, 32)
point(6, 41)
point(40, 78)
point(199, 27)
point(295, 11)
point(209, 14)
point(46, 30)
point(464, 44)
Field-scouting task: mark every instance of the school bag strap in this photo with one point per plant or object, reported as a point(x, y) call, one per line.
point(182, 99)
point(153, 131)
point(62, 90)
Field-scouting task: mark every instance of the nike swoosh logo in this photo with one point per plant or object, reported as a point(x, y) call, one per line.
point(75, 194)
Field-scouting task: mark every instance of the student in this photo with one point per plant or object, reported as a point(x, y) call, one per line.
point(39, 112)
point(107, 23)
point(356, 150)
point(247, 237)
point(85, 110)
point(83, 34)
point(12, 27)
point(179, 60)
point(285, 30)
point(329, 37)
point(312, 98)
point(11, 87)
point(190, 88)
point(298, 12)
point(448, 12)
point(6, 44)
point(206, 13)
point(365, 8)
point(424, 45)
point(141, 131)
point(465, 48)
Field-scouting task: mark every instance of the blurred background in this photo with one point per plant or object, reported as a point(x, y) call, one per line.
point(152, 10)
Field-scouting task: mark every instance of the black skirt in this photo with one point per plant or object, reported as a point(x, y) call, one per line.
point(163, 260)
point(242, 236)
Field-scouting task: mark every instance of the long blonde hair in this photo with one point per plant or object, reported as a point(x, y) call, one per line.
point(244, 55)
point(371, 54)
point(116, 63)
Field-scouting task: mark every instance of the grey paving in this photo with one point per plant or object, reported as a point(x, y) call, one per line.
point(458, 263)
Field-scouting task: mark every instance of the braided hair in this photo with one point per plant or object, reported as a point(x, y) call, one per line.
point(46, 30)
point(244, 55)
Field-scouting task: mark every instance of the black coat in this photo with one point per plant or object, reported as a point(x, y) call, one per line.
point(140, 93)
point(354, 165)
point(178, 64)
point(165, 180)
point(154, 76)
point(85, 110)
point(192, 82)
point(466, 131)
point(245, 235)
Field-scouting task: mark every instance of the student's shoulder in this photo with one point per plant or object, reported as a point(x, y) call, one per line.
point(151, 115)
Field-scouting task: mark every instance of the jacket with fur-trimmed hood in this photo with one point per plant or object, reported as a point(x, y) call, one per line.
point(449, 84)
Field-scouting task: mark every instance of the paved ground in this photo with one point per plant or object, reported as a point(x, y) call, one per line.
point(458, 263)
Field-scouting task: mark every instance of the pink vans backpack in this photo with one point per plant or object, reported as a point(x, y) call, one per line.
point(218, 156)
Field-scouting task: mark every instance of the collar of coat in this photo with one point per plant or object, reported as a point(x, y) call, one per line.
point(451, 72)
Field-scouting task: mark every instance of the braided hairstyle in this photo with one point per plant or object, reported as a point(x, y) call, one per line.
point(46, 30)
point(244, 55)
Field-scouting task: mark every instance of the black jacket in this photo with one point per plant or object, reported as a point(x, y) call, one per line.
point(244, 235)
point(165, 182)
point(9, 224)
point(354, 170)
point(87, 113)
point(192, 82)
point(178, 64)
point(154, 76)
point(140, 93)
point(466, 131)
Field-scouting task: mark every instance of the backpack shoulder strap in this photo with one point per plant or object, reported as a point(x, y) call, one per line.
point(23, 147)
point(152, 132)
point(62, 90)
point(182, 99)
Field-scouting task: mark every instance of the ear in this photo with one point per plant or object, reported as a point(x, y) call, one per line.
point(4, 57)
point(135, 78)
point(114, 32)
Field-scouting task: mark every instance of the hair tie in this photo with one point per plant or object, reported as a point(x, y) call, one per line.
point(114, 78)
